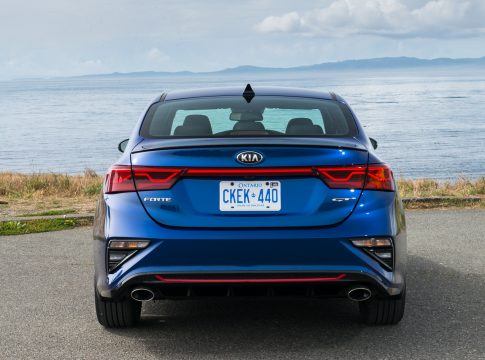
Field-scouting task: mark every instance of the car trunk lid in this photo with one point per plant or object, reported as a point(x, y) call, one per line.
point(209, 188)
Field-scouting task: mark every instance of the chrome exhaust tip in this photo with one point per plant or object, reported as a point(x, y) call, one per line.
point(359, 294)
point(142, 294)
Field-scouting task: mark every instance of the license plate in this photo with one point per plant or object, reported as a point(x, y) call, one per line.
point(249, 196)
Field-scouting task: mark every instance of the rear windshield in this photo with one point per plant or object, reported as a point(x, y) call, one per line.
point(232, 116)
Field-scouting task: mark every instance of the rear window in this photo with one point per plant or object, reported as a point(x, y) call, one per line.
point(232, 116)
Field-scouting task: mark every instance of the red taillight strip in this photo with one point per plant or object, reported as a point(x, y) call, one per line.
point(276, 280)
point(146, 172)
point(355, 170)
point(249, 172)
point(122, 178)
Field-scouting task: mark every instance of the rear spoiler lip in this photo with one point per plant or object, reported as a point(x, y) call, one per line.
point(162, 144)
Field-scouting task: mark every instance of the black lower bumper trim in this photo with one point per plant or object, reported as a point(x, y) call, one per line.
point(187, 286)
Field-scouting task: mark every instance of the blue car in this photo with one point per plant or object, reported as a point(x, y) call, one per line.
point(249, 191)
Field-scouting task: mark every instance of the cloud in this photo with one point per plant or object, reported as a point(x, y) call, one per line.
point(287, 23)
point(386, 18)
point(59, 37)
point(155, 55)
point(92, 64)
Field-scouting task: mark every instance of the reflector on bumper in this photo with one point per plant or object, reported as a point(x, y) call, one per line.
point(380, 249)
point(121, 250)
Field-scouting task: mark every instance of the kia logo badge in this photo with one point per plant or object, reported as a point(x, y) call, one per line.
point(249, 157)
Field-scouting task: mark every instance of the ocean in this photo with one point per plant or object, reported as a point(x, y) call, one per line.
point(427, 124)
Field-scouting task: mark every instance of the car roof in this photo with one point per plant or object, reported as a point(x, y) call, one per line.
point(258, 90)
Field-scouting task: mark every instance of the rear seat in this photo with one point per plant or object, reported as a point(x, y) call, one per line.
point(303, 126)
point(194, 125)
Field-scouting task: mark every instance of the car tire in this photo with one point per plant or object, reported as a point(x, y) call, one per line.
point(383, 311)
point(117, 314)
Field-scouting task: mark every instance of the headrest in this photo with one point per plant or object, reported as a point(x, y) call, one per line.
point(297, 122)
point(303, 126)
point(197, 120)
point(300, 121)
point(194, 125)
point(248, 126)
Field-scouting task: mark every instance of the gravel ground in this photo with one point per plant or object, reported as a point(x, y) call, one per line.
point(47, 308)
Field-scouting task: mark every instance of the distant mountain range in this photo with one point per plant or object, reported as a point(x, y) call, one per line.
point(346, 65)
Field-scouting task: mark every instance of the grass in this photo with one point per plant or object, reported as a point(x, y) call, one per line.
point(42, 194)
point(51, 194)
point(88, 185)
point(432, 188)
point(49, 213)
point(42, 225)
point(38, 185)
point(444, 202)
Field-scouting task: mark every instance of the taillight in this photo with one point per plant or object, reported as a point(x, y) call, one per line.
point(372, 177)
point(121, 178)
point(292, 171)
point(351, 177)
point(379, 177)
point(152, 178)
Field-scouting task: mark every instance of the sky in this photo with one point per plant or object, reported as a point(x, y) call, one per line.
point(63, 38)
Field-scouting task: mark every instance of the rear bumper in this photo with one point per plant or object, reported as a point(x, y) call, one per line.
point(271, 284)
point(251, 254)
